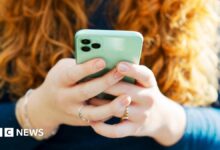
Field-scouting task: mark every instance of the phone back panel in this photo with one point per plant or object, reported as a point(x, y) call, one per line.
point(111, 45)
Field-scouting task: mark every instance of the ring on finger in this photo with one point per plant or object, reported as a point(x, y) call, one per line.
point(125, 115)
point(81, 115)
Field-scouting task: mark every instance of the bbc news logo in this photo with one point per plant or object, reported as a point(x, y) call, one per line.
point(11, 132)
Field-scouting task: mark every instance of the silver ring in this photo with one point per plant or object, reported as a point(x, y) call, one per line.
point(81, 115)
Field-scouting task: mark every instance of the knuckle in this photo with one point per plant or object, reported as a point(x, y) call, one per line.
point(150, 73)
point(144, 67)
point(62, 61)
point(107, 81)
point(85, 92)
point(70, 76)
point(136, 70)
point(84, 70)
point(88, 68)
point(147, 70)
point(149, 100)
point(65, 68)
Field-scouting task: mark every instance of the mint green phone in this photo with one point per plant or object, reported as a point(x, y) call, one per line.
point(112, 45)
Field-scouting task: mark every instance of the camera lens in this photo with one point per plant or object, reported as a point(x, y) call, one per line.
point(85, 48)
point(86, 41)
point(96, 45)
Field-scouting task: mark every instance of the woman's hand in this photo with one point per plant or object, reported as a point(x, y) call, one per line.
point(150, 113)
point(58, 99)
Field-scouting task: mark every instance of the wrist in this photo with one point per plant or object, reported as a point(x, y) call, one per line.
point(32, 113)
point(173, 123)
point(44, 116)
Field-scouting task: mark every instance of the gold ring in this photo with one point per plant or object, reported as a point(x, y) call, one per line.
point(125, 115)
point(81, 115)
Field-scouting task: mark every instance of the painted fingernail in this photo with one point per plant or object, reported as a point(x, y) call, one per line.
point(100, 64)
point(123, 67)
point(117, 75)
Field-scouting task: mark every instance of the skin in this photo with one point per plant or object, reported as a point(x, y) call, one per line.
point(60, 96)
point(150, 113)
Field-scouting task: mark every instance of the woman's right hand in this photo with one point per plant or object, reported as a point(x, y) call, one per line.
point(58, 99)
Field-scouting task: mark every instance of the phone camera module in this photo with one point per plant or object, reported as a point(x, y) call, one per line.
point(96, 45)
point(86, 41)
point(85, 49)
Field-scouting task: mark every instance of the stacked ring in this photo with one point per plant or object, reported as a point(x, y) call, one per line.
point(125, 115)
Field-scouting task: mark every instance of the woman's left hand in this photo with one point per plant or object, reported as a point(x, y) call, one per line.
point(150, 113)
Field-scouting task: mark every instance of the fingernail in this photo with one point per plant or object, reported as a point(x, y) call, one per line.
point(123, 67)
point(100, 64)
point(125, 101)
point(117, 75)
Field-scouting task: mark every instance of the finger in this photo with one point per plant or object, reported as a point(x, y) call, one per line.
point(138, 94)
point(98, 102)
point(120, 130)
point(93, 113)
point(72, 73)
point(87, 90)
point(142, 74)
point(136, 113)
point(103, 112)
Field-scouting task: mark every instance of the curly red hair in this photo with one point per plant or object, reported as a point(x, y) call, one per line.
point(179, 42)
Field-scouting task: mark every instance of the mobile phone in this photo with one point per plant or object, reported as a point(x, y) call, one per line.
point(113, 46)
